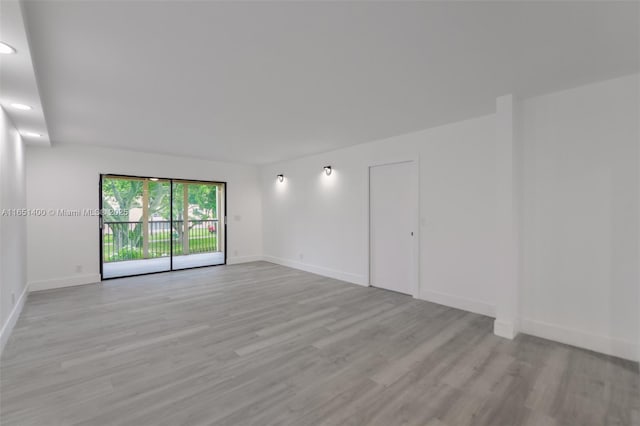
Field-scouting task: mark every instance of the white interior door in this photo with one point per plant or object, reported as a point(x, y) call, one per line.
point(392, 221)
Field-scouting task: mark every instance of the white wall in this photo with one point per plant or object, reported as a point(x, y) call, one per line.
point(66, 176)
point(578, 220)
point(12, 228)
point(580, 236)
point(320, 223)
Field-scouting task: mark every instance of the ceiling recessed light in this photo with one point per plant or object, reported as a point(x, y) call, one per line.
point(21, 107)
point(154, 179)
point(5, 49)
point(32, 134)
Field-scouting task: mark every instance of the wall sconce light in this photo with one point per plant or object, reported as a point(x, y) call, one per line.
point(327, 170)
point(280, 178)
point(5, 49)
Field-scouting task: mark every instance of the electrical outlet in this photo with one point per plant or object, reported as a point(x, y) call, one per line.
point(301, 255)
point(235, 253)
point(78, 268)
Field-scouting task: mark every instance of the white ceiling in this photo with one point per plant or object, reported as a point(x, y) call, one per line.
point(17, 78)
point(261, 82)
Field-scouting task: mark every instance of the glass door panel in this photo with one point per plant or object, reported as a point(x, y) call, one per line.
point(135, 222)
point(199, 223)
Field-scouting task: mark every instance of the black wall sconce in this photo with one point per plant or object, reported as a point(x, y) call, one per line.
point(280, 178)
point(327, 170)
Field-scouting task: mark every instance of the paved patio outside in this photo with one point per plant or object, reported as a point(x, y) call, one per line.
point(145, 266)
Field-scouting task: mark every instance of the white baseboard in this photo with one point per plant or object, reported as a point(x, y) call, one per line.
point(243, 259)
point(7, 328)
point(331, 273)
point(469, 305)
point(598, 343)
point(64, 282)
point(504, 329)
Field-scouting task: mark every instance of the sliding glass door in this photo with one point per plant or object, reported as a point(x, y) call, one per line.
point(150, 225)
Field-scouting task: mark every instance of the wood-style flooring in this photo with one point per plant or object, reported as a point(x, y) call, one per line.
point(261, 344)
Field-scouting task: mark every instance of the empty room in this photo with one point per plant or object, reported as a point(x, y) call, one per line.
point(301, 213)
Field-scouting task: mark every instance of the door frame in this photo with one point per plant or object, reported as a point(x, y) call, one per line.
point(170, 180)
point(415, 201)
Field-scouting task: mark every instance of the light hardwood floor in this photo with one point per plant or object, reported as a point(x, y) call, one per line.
point(261, 344)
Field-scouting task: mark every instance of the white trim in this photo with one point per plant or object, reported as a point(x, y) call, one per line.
point(243, 259)
point(509, 215)
point(63, 282)
point(331, 273)
point(7, 328)
point(598, 343)
point(504, 329)
point(469, 305)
